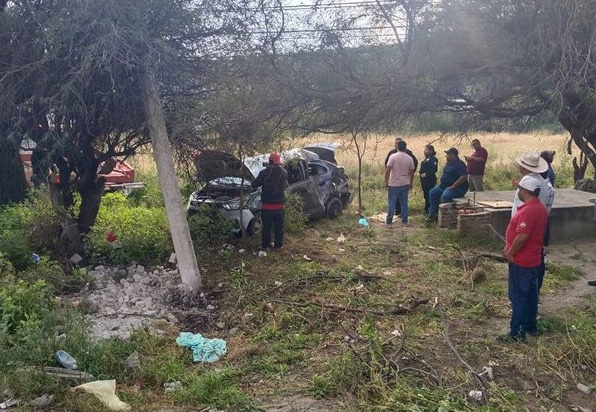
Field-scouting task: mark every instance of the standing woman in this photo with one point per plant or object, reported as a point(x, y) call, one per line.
point(428, 174)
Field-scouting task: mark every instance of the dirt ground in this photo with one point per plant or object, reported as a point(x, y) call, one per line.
point(579, 254)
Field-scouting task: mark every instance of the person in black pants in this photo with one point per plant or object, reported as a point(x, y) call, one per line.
point(428, 174)
point(409, 153)
point(273, 180)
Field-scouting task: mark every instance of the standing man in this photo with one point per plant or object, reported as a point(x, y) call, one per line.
point(549, 156)
point(475, 165)
point(409, 153)
point(399, 175)
point(523, 251)
point(454, 183)
point(273, 180)
point(532, 164)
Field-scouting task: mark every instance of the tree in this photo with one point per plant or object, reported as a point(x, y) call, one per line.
point(91, 96)
point(512, 59)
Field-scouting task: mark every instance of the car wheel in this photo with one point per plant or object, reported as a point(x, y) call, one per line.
point(254, 226)
point(334, 208)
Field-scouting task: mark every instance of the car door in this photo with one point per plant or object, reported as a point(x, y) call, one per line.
point(300, 184)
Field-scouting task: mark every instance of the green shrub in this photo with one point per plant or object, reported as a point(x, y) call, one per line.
point(44, 227)
point(209, 229)
point(150, 195)
point(29, 227)
point(142, 233)
point(54, 275)
point(14, 245)
point(27, 319)
point(294, 217)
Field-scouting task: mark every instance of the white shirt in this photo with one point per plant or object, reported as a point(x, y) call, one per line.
point(546, 196)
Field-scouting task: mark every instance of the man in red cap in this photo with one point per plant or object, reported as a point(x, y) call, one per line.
point(273, 180)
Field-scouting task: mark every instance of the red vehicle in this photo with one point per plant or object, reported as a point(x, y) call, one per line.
point(121, 177)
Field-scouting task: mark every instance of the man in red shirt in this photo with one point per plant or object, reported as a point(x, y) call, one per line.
point(476, 164)
point(523, 251)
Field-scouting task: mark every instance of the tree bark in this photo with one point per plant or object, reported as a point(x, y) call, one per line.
point(162, 152)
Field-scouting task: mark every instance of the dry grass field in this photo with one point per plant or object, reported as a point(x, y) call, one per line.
point(503, 148)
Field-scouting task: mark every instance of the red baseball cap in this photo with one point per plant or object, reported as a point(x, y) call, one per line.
point(275, 158)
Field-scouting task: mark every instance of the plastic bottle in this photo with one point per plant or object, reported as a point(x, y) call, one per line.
point(66, 360)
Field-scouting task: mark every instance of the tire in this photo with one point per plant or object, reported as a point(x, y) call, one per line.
point(334, 208)
point(254, 226)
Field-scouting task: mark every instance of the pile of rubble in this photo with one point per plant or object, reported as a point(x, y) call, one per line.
point(120, 300)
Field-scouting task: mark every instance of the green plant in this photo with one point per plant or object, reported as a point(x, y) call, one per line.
point(209, 229)
point(214, 389)
point(322, 386)
point(14, 245)
point(31, 320)
point(142, 233)
point(294, 217)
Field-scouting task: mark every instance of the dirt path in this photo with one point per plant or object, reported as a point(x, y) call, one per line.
point(579, 254)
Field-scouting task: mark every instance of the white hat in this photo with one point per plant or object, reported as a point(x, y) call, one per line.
point(530, 183)
point(533, 162)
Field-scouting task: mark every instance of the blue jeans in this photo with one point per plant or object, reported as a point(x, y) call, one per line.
point(438, 195)
point(272, 219)
point(395, 193)
point(523, 294)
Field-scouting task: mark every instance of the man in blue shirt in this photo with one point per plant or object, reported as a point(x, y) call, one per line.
point(454, 183)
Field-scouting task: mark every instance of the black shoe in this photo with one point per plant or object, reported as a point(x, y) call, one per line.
point(510, 339)
point(432, 218)
point(532, 333)
point(592, 283)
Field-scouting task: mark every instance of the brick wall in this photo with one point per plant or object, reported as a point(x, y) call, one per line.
point(473, 224)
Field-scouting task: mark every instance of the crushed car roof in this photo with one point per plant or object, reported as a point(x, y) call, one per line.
point(213, 164)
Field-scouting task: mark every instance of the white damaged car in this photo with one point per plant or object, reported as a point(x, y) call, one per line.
point(312, 174)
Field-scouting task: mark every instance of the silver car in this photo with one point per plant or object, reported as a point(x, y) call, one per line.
point(312, 174)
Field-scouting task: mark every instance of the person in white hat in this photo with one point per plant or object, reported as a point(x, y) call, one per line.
point(523, 250)
point(532, 164)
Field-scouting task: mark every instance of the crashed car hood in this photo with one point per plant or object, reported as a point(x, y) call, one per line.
point(212, 165)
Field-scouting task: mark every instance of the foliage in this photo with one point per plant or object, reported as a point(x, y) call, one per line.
point(14, 244)
point(209, 229)
point(214, 388)
point(31, 319)
point(294, 217)
point(142, 233)
point(29, 227)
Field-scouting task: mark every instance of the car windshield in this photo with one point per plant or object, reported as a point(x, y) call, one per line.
point(229, 181)
point(257, 163)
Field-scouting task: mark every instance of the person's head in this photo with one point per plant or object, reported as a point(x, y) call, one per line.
point(476, 144)
point(429, 150)
point(397, 140)
point(531, 162)
point(529, 188)
point(275, 159)
point(401, 146)
point(548, 155)
point(452, 154)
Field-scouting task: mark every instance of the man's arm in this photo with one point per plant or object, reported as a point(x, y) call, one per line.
point(460, 181)
point(519, 241)
point(387, 173)
point(258, 181)
point(479, 159)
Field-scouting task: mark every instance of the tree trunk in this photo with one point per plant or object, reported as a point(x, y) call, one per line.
point(187, 260)
point(90, 202)
point(13, 186)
